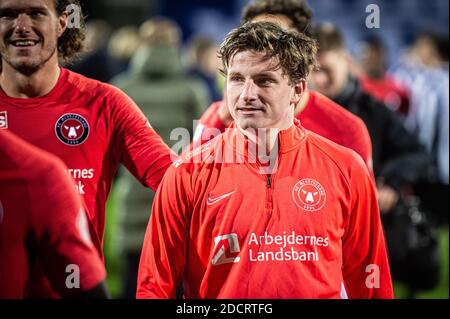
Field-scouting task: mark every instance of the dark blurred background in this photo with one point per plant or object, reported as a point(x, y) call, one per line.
point(400, 20)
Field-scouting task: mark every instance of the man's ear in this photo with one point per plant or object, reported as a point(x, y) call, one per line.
point(63, 21)
point(299, 89)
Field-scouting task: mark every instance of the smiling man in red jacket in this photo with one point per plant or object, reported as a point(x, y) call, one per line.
point(233, 227)
point(92, 126)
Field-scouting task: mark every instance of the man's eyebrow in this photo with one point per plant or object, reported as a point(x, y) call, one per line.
point(234, 73)
point(266, 73)
point(39, 8)
point(21, 9)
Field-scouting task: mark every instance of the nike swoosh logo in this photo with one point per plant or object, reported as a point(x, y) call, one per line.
point(212, 201)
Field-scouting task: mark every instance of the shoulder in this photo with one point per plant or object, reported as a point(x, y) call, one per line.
point(26, 157)
point(344, 159)
point(43, 178)
point(339, 114)
point(200, 159)
point(93, 88)
point(201, 155)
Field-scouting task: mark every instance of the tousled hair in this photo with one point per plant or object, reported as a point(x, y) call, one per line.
point(71, 42)
point(294, 52)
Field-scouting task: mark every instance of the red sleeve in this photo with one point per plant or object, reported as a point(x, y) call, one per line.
point(63, 243)
point(163, 254)
point(365, 263)
point(210, 126)
point(363, 146)
point(143, 151)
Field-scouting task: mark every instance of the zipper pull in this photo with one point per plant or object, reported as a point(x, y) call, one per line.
point(269, 181)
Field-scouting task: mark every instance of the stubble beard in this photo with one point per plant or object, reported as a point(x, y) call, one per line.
point(28, 68)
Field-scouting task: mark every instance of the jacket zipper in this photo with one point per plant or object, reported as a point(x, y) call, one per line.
point(269, 193)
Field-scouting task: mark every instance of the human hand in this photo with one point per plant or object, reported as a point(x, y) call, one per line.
point(387, 197)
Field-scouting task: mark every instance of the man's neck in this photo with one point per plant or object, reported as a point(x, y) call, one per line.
point(301, 105)
point(40, 83)
point(265, 138)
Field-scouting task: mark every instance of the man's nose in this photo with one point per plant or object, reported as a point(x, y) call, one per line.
point(23, 23)
point(249, 91)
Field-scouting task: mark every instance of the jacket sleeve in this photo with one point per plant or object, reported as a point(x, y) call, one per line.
point(143, 152)
point(163, 254)
point(363, 145)
point(365, 262)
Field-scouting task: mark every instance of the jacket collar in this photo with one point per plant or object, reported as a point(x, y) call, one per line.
point(288, 140)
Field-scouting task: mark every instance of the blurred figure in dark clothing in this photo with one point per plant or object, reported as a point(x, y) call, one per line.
point(122, 45)
point(157, 82)
point(372, 58)
point(202, 62)
point(400, 164)
point(424, 70)
point(399, 160)
point(95, 63)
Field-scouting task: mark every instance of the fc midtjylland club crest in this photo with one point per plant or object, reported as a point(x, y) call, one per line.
point(3, 120)
point(309, 195)
point(72, 129)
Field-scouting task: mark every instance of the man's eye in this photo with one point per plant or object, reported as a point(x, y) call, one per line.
point(265, 82)
point(7, 15)
point(36, 14)
point(236, 78)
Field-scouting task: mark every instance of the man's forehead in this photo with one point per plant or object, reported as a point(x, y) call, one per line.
point(254, 60)
point(26, 4)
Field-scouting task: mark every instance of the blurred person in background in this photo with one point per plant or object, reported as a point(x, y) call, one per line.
point(424, 70)
point(372, 59)
point(202, 62)
point(400, 163)
point(122, 45)
point(398, 157)
point(43, 227)
point(156, 81)
point(95, 62)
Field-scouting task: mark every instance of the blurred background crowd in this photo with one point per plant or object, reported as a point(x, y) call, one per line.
point(163, 54)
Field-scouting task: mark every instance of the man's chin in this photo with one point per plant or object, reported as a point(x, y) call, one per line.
point(26, 67)
point(249, 125)
point(29, 65)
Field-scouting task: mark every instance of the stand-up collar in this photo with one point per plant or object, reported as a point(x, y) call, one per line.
point(288, 140)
